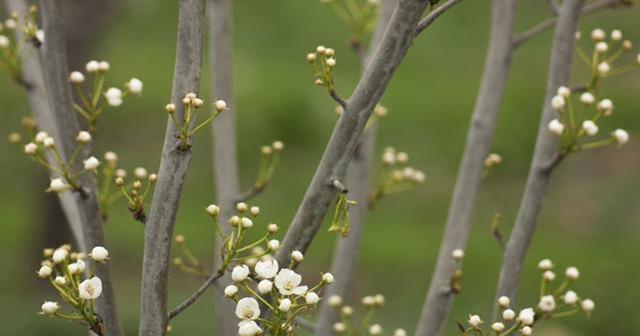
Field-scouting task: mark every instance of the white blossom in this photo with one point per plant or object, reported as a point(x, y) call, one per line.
point(605, 107)
point(246, 223)
point(240, 273)
point(273, 244)
point(99, 253)
point(77, 267)
point(50, 307)
point(545, 265)
point(83, 137)
point(58, 185)
point(41, 136)
point(526, 331)
point(616, 35)
point(497, 326)
point(598, 34)
point(90, 289)
point(331, 62)
point(248, 309)
point(602, 47)
point(587, 305)
point(135, 86)
point(508, 315)
point(272, 228)
point(587, 98)
point(549, 276)
point(104, 66)
point(375, 329)
point(504, 301)
point(30, 148)
point(60, 280)
point(288, 282)
point(558, 102)
point(603, 68)
point(92, 66)
point(564, 91)
point(297, 256)
point(48, 142)
point(220, 105)
point(327, 278)
point(457, 254)
point(267, 269)
point(255, 210)
point(213, 210)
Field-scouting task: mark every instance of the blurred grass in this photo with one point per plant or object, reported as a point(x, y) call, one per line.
point(590, 219)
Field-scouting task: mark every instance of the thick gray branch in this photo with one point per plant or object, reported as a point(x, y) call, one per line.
point(32, 72)
point(54, 59)
point(548, 23)
point(479, 138)
point(345, 257)
point(171, 175)
point(225, 162)
point(346, 135)
point(544, 154)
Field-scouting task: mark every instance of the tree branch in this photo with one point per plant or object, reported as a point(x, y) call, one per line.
point(554, 5)
point(438, 302)
point(171, 175)
point(225, 162)
point(544, 157)
point(345, 257)
point(431, 17)
point(550, 22)
point(194, 297)
point(54, 59)
point(32, 72)
point(346, 134)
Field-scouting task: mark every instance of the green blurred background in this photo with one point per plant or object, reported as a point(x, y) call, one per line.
point(590, 218)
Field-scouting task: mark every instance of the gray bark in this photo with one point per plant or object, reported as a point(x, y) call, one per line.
point(225, 162)
point(346, 135)
point(171, 175)
point(345, 257)
point(545, 156)
point(54, 59)
point(32, 71)
point(479, 138)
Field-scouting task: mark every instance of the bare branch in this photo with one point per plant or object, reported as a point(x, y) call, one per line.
point(225, 162)
point(550, 22)
point(171, 175)
point(54, 59)
point(337, 98)
point(194, 297)
point(431, 17)
point(346, 134)
point(439, 298)
point(345, 257)
point(554, 5)
point(251, 193)
point(545, 156)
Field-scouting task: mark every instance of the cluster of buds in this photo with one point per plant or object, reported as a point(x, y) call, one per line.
point(455, 281)
point(136, 191)
point(43, 150)
point(577, 125)
point(553, 303)
point(11, 46)
point(322, 62)
point(269, 156)
point(264, 285)
point(606, 51)
point(191, 104)
point(359, 15)
point(91, 106)
point(76, 284)
point(396, 175)
point(348, 326)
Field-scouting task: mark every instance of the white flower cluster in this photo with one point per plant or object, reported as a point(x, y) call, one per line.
point(75, 283)
point(43, 146)
point(11, 47)
point(396, 175)
point(90, 105)
point(280, 290)
point(347, 325)
point(191, 103)
point(556, 303)
point(135, 192)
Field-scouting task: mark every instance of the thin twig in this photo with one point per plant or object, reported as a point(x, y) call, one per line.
point(337, 98)
point(194, 297)
point(550, 22)
point(251, 193)
point(431, 17)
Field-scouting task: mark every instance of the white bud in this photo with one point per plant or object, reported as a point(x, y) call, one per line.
point(598, 34)
point(587, 305)
point(572, 273)
point(240, 273)
point(497, 326)
point(558, 102)
point(327, 278)
point(339, 327)
point(335, 301)
point(321, 49)
point(602, 47)
point(213, 210)
point(135, 86)
point(230, 291)
point(58, 185)
point(545, 265)
point(99, 253)
point(620, 136)
point(457, 254)
point(272, 228)
point(556, 127)
point(50, 307)
point(246, 223)
point(547, 303)
point(104, 66)
point(76, 77)
point(616, 35)
point(220, 105)
point(241, 207)
point(48, 142)
point(331, 62)
point(474, 320)
point(30, 148)
point(548, 276)
point(375, 329)
point(4, 42)
point(83, 137)
point(285, 305)
point(400, 332)
point(564, 91)
point(603, 68)
point(265, 286)
point(92, 66)
point(312, 298)
point(140, 173)
point(570, 297)
point(297, 256)
point(91, 163)
point(45, 271)
point(504, 301)
point(605, 107)
point(273, 244)
point(60, 280)
point(114, 96)
point(526, 331)
point(59, 255)
point(255, 210)
point(508, 315)
point(587, 98)
point(589, 127)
